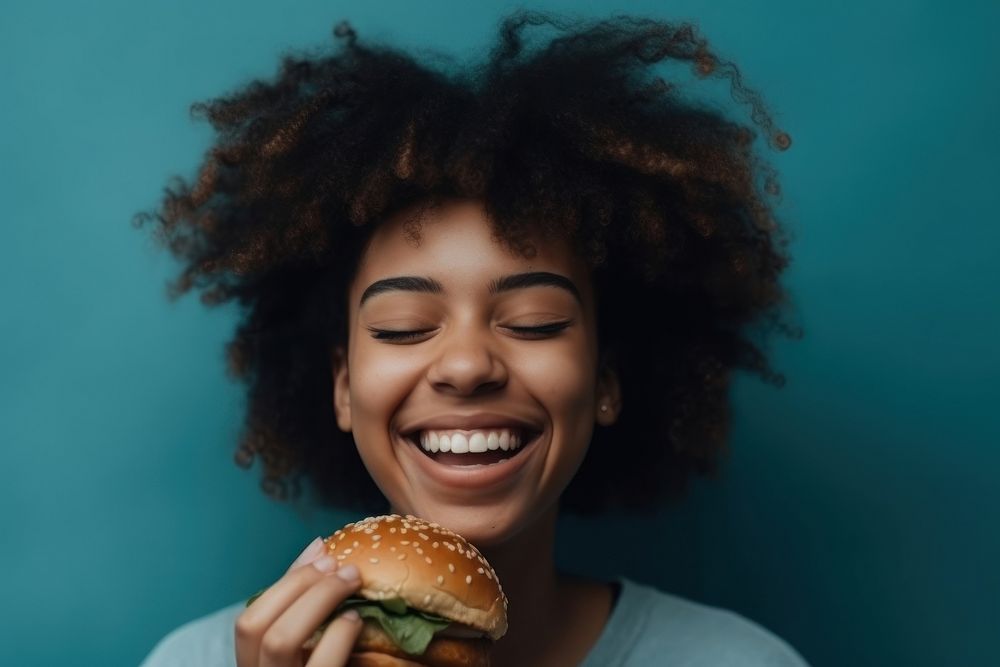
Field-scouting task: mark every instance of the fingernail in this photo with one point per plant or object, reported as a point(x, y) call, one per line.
point(352, 615)
point(325, 564)
point(309, 554)
point(348, 573)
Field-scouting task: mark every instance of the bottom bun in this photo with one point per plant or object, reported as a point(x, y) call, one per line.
point(369, 659)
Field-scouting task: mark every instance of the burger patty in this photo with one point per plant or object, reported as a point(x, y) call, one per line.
point(371, 659)
point(441, 652)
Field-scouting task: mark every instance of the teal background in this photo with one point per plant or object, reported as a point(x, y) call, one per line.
point(858, 515)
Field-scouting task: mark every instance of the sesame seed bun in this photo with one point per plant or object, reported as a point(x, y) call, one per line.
point(429, 567)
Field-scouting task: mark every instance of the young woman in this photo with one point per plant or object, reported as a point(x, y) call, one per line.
point(552, 243)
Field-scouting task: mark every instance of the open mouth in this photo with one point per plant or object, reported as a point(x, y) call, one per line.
point(464, 448)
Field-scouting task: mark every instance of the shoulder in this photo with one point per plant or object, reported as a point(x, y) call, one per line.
point(204, 642)
point(669, 629)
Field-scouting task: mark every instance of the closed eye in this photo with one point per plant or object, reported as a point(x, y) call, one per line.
point(543, 330)
point(403, 336)
point(387, 334)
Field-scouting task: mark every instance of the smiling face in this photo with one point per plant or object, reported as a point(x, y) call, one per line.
point(475, 340)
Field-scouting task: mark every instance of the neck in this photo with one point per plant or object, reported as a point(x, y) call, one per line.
point(525, 565)
point(526, 568)
point(553, 618)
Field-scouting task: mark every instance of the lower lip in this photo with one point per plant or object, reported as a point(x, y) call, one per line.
point(472, 476)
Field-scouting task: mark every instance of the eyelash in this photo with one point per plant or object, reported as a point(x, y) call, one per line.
point(545, 329)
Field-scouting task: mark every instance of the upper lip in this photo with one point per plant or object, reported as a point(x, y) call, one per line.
point(479, 420)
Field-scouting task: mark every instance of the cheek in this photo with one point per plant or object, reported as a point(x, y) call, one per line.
point(380, 384)
point(564, 382)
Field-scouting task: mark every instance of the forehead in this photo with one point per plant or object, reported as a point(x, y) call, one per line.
point(456, 246)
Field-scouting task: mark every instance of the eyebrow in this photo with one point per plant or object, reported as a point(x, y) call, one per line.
point(501, 284)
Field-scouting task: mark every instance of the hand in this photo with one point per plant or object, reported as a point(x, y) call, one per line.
point(271, 631)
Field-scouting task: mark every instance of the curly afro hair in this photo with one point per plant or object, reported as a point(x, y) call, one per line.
point(574, 138)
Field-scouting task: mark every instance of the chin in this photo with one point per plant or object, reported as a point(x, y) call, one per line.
point(486, 526)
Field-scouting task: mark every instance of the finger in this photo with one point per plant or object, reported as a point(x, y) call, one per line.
point(282, 642)
point(308, 555)
point(338, 639)
point(254, 621)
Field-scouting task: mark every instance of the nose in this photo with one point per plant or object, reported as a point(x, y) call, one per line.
point(468, 363)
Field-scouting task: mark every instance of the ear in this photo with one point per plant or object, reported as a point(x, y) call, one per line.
point(341, 389)
point(609, 396)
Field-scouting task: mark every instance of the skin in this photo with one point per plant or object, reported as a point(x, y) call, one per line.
point(471, 357)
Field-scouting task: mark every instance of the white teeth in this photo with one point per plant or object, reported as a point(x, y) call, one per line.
point(464, 442)
point(477, 443)
point(459, 445)
point(430, 442)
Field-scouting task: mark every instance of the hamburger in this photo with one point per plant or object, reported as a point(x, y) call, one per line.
point(427, 597)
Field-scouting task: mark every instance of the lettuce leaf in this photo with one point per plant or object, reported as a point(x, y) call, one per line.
point(410, 629)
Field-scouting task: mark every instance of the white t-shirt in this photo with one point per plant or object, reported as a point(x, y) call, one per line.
point(647, 627)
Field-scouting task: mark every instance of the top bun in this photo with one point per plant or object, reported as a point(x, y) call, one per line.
point(429, 567)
